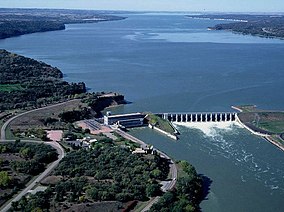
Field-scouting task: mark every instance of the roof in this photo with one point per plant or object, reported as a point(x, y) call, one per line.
point(125, 115)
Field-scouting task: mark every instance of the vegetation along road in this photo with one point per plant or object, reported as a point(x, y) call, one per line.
point(55, 145)
point(167, 185)
point(32, 184)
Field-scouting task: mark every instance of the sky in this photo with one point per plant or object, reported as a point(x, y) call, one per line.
point(153, 5)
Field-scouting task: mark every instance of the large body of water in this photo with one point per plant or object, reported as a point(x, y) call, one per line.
point(172, 63)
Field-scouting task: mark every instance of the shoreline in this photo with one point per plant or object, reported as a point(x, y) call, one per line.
point(262, 135)
point(175, 137)
point(277, 144)
point(237, 108)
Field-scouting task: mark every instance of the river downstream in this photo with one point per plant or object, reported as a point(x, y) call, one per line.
point(171, 63)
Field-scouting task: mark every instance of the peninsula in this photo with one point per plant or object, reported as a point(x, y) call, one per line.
point(270, 26)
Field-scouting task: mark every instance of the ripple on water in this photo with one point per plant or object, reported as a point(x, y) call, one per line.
point(218, 141)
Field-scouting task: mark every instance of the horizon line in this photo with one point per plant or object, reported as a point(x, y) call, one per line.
point(140, 11)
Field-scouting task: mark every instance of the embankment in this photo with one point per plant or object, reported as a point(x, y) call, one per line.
point(263, 135)
point(175, 137)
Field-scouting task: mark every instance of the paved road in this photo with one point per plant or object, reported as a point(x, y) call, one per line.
point(167, 185)
point(152, 202)
point(130, 137)
point(61, 155)
point(55, 145)
point(5, 125)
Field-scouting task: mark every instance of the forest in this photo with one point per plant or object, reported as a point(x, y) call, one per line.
point(20, 161)
point(29, 83)
point(15, 28)
point(107, 172)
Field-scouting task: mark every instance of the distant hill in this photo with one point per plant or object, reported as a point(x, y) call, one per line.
point(259, 25)
point(15, 22)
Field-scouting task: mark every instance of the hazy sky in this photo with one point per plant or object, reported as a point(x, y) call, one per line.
point(154, 5)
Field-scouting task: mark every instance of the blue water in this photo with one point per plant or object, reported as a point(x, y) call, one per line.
point(173, 63)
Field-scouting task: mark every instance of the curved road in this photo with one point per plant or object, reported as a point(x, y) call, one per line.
point(5, 125)
point(51, 166)
point(32, 184)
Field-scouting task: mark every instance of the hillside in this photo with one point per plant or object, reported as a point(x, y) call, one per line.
point(30, 83)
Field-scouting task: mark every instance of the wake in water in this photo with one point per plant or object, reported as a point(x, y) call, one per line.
point(225, 139)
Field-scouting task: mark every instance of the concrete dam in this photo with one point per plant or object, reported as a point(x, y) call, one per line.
point(199, 117)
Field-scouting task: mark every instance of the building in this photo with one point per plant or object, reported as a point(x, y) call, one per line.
point(125, 120)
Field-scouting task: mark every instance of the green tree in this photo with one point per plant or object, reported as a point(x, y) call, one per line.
point(156, 173)
point(153, 190)
point(92, 193)
point(26, 152)
point(4, 179)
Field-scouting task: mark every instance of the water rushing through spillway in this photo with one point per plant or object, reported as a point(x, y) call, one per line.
point(164, 63)
point(210, 129)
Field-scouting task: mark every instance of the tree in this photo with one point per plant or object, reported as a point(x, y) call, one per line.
point(4, 179)
point(87, 131)
point(92, 193)
point(26, 152)
point(37, 209)
point(153, 190)
point(156, 173)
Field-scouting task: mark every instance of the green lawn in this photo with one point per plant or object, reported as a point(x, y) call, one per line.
point(272, 122)
point(10, 87)
point(272, 126)
point(9, 134)
point(163, 124)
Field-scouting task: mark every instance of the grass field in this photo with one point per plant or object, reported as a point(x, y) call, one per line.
point(163, 124)
point(272, 122)
point(9, 134)
point(10, 87)
point(275, 126)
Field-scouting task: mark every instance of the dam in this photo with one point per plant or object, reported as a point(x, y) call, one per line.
point(199, 116)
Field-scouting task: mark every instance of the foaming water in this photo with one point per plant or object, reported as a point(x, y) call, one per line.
point(228, 140)
point(210, 129)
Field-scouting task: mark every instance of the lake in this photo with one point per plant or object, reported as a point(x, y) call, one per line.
point(171, 63)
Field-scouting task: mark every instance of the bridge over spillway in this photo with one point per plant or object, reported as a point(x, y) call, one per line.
point(199, 117)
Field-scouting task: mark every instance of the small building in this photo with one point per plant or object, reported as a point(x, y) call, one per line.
point(125, 120)
point(139, 151)
point(145, 150)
